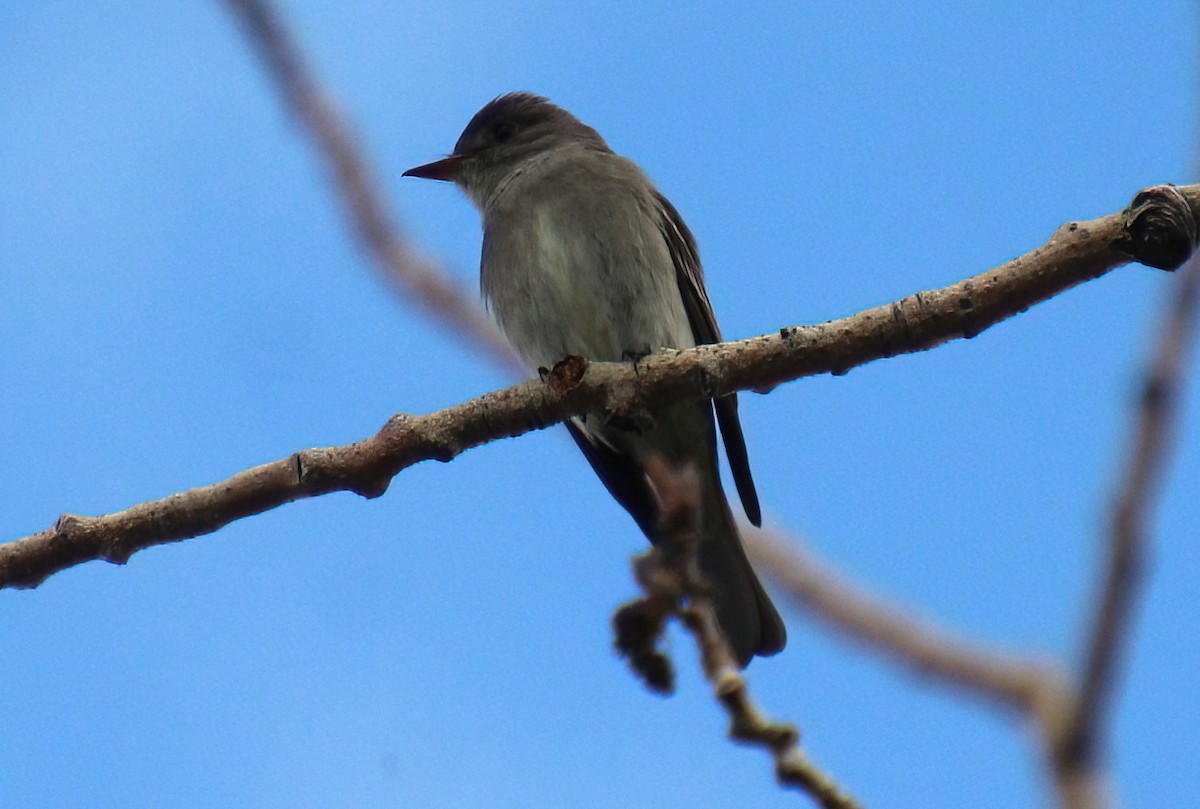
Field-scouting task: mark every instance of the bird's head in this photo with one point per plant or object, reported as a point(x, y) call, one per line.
point(502, 138)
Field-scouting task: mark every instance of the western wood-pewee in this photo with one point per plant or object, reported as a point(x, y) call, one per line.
point(582, 255)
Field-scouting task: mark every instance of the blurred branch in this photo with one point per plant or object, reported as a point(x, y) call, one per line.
point(1077, 748)
point(1068, 714)
point(670, 576)
point(1157, 234)
point(1158, 229)
point(910, 641)
point(1038, 691)
point(421, 280)
point(1075, 253)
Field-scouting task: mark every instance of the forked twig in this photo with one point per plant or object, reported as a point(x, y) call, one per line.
point(669, 574)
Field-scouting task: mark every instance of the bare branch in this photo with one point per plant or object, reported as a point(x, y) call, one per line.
point(1068, 715)
point(1075, 253)
point(1077, 748)
point(890, 628)
point(1157, 234)
point(670, 576)
point(421, 280)
point(1037, 690)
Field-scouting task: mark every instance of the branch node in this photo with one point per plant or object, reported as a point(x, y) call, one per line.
point(566, 374)
point(1160, 228)
point(638, 626)
point(900, 315)
point(69, 526)
point(397, 423)
point(728, 684)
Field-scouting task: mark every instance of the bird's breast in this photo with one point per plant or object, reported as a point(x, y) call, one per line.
point(585, 272)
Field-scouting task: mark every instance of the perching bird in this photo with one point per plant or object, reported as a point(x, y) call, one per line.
point(583, 256)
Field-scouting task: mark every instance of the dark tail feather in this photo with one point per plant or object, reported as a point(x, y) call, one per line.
point(744, 609)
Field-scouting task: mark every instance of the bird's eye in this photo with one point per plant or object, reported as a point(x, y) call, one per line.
point(504, 131)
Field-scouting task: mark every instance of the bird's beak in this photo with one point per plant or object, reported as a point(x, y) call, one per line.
point(445, 169)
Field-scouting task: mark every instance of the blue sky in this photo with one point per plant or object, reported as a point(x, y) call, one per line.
point(181, 301)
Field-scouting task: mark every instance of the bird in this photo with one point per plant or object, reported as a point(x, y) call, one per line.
point(583, 256)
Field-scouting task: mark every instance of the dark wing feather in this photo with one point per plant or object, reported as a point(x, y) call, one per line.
point(623, 479)
point(690, 278)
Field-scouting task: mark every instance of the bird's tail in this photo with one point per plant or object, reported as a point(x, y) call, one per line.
point(744, 609)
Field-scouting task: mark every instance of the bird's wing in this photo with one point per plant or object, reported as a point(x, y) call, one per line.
point(690, 278)
point(625, 481)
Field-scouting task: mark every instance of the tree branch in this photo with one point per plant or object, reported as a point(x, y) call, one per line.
point(1075, 749)
point(674, 586)
point(890, 628)
point(1068, 713)
point(1076, 253)
point(1160, 235)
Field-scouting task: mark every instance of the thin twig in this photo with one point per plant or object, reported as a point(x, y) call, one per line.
point(1068, 715)
point(1036, 690)
point(670, 575)
point(890, 628)
point(1141, 483)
